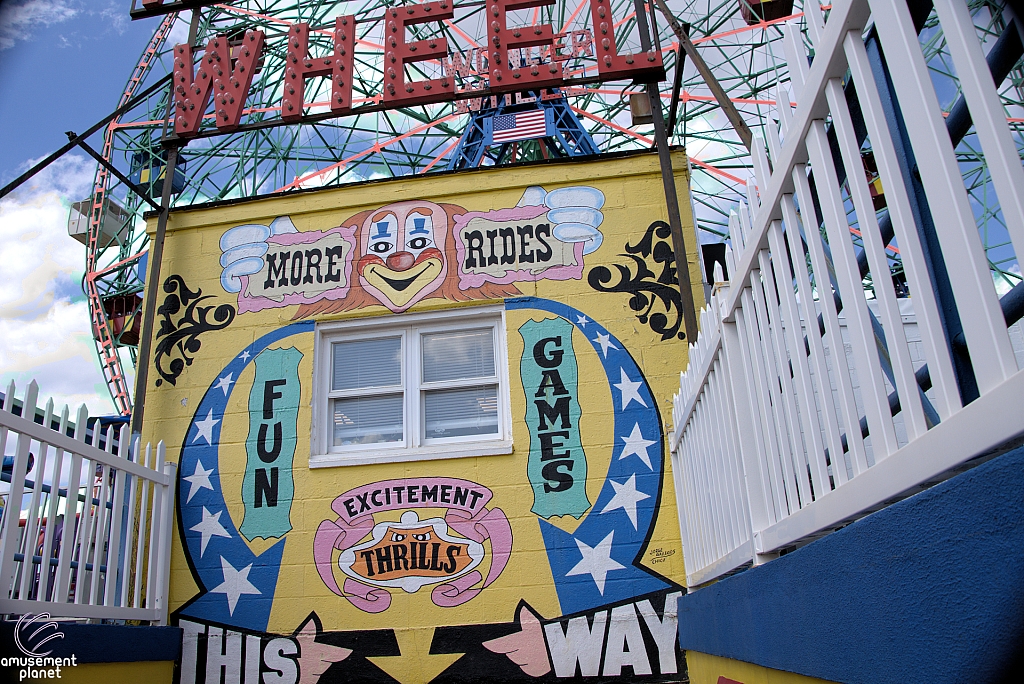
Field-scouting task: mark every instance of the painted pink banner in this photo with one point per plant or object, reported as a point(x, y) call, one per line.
point(467, 514)
point(248, 302)
point(470, 280)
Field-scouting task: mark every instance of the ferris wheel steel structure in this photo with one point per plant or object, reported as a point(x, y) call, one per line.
point(113, 275)
point(746, 56)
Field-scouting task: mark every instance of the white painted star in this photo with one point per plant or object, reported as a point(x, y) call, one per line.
point(626, 498)
point(636, 444)
point(597, 561)
point(209, 527)
point(204, 428)
point(582, 320)
point(236, 583)
point(606, 343)
point(245, 355)
point(200, 479)
point(224, 383)
point(629, 390)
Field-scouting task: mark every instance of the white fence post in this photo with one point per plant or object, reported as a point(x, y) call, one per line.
point(164, 554)
point(75, 566)
point(12, 538)
point(802, 407)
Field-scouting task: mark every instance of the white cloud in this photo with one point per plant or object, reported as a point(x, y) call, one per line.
point(180, 29)
point(44, 318)
point(118, 18)
point(1002, 286)
point(58, 353)
point(19, 17)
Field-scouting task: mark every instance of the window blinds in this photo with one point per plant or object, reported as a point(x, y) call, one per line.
point(461, 412)
point(458, 355)
point(367, 363)
point(368, 420)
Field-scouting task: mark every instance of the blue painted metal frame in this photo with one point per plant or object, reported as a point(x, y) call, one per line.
point(564, 136)
point(930, 589)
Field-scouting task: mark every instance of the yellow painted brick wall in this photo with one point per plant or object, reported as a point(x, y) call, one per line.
point(633, 203)
point(708, 669)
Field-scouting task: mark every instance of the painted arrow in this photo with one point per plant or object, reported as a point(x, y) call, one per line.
point(236, 585)
point(598, 563)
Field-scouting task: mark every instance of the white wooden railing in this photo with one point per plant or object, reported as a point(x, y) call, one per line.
point(784, 430)
point(86, 531)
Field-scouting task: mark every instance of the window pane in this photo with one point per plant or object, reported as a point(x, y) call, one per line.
point(457, 355)
point(461, 412)
point(367, 363)
point(368, 420)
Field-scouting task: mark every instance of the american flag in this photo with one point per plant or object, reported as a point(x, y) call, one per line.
point(521, 126)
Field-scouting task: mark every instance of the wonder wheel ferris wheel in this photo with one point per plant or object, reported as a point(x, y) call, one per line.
point(741, 40)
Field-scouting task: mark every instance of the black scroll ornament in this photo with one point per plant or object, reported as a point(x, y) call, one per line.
point(646, 289)
point(180, 337)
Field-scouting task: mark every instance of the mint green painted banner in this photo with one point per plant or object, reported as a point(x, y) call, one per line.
point(557, 465)
point(267, 487)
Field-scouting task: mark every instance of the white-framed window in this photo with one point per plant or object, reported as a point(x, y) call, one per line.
point(410, 387)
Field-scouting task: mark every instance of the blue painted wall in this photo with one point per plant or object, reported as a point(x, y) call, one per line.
point(104, 643)
point(928, 590)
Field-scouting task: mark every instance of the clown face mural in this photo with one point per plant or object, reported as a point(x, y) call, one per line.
point(402, 253)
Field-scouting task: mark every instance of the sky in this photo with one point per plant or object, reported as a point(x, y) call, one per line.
point(63, 66)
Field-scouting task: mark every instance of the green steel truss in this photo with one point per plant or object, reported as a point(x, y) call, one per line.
point(748, 61)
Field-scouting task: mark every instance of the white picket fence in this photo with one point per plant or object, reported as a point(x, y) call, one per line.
point(783, 433)
point(86, 532)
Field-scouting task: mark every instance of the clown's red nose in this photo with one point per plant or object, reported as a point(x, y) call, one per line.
point(400, 261)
